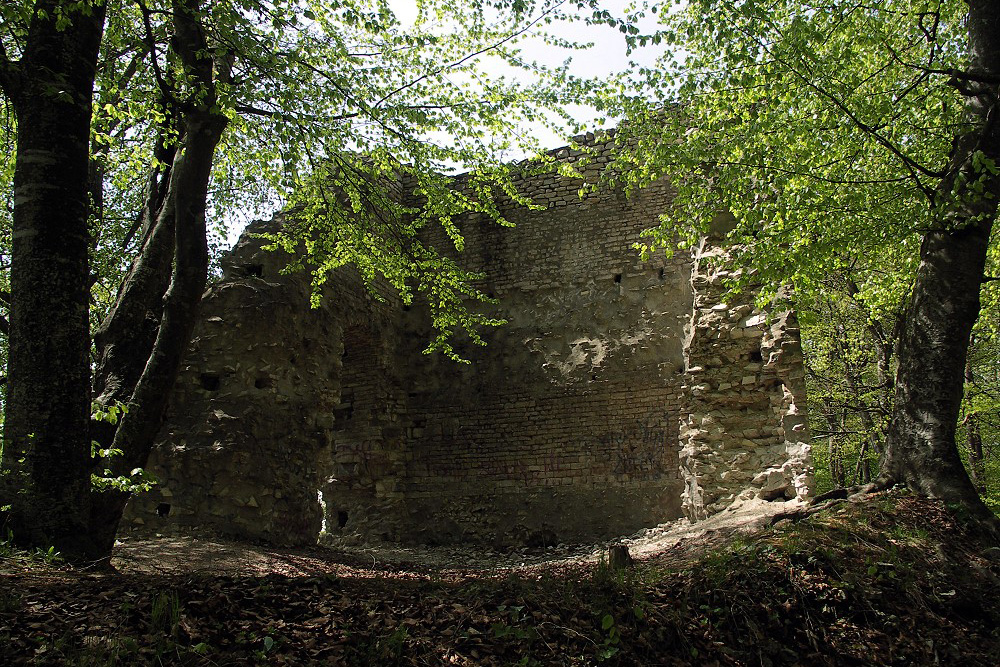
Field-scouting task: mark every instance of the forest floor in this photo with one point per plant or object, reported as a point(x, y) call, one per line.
point(890, 580)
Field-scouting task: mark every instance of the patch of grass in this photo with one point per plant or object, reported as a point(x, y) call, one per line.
point(165, 614)
point(16, 558)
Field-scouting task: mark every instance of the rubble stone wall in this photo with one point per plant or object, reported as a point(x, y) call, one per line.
point(744, 431)
point(620, 394)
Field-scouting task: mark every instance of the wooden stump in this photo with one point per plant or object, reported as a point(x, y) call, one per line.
point(618, 557)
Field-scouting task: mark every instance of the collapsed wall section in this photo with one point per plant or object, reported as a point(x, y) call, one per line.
point(248, 435)
point(744, 433)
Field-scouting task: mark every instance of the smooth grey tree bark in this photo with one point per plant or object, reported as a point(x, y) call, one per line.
point(944, 304)
point(178, 232)
point(46, 456)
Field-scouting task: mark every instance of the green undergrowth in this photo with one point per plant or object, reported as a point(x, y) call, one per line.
point(895, 580)
point(24, 559)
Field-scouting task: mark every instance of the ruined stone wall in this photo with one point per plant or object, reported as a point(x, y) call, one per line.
point(618, 390)
point(565, 425)
point(254, 404)
point(744, 432)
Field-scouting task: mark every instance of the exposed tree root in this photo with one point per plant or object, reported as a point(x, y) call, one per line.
point(980, 519)
point(835, 497)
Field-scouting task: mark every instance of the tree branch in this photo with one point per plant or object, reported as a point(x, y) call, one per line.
point(528, 26)
point(915, 168)
point(809, 174)
point(264, 113)
point(957, 74)
point(165, 89)
point(10, 74)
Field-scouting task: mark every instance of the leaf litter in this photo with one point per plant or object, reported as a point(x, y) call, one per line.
point(892, 580)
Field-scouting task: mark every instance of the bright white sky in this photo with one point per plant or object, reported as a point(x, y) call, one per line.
point(606, 57)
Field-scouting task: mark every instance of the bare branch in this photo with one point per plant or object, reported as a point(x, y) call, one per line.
point(165, 88)
point(9, 74)
point(517, 33)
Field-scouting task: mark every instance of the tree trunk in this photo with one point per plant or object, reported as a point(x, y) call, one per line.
point(836, 449)
point(862, 471)
point(974, 438)
point(975, 443)
point(921, 449)
point(185, 203)
point(126, 337)
point(46, 447)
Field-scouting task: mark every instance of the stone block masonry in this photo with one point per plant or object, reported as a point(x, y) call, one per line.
point(621, 394)
point(744, 431)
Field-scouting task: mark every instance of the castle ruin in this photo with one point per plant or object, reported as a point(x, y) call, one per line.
point(621, 394)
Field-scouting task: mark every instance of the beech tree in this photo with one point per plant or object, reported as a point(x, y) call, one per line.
point(138, 122)
point(850, 357)
point(48, 401)
point(842, 129)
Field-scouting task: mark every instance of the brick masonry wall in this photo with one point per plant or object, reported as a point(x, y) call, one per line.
point(590, 414)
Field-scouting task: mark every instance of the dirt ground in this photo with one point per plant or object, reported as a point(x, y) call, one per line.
point(889, 579)
point(188, 555)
